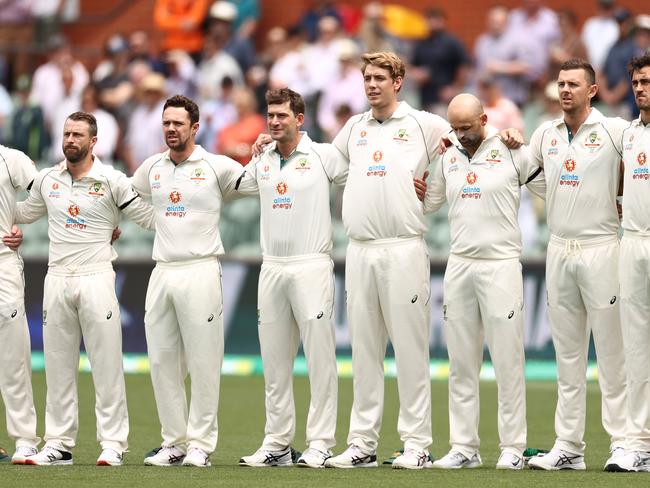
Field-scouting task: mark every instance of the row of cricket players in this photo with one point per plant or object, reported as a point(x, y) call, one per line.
point(383, 157)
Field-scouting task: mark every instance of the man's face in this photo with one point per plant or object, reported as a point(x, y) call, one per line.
point(641, 87)
point(77, 142)
point(177, 128)
point(283, 124)
point(380, 87)
point(468, 128)
point(574, 90)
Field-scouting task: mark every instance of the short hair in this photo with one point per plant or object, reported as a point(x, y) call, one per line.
point(284, 95)
point(386, 60)
point(582, 64)
point(638, 63)
point(88, 119)
point(188, 104)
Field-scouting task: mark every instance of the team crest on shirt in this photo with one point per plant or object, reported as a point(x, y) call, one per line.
point(642, 172)
point(96, 189)
point(156, 182)
point(282, 202)
point(176, 209)
point(303, 164)
point(593, 141)
point(494, 156)
point(401, 136)
point(74, 221)
point(54, 192)
point(471, 191)
point(569, 179)
point(198, 175)
point(362, 141)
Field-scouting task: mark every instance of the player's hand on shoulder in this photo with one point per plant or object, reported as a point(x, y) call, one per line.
point(259, 144)
point(117, 232)
point(512, 138)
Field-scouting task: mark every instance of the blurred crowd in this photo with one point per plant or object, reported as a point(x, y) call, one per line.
point(208, 51)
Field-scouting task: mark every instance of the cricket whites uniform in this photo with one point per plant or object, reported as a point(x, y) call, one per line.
point(183, 311)
point(582, 176)
point(296, 288)
point(634, 269)
point(79, 295)
point(16, 173)
point(483, 287)
point(387, 268)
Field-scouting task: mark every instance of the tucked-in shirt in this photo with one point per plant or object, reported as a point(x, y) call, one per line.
point(636, 187)
point(83, 213)
point(582, 175)
point(379, 201)
point(295, 197)
point(484, 193)
point(187, 200)
point(17, 172)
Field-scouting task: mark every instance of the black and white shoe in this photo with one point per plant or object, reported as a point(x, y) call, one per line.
point(558, 459)
point(266, 458)
point(353, 457)
point(165, 456)
point(50, 456)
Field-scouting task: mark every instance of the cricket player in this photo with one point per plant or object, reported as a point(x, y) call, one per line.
point(634, 273)
point(581, 156)
point(17, 172)
point(483, 288)
point(296, 288)
point(83, 199)
point(184, 310)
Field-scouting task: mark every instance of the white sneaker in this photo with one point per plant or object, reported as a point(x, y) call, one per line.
point(558, 459)
point(628, 461)
point(265, 458)
point(352, 457)
point(109, 457)
point(50, 456)
point(456, 460)
point(509, 460)
point(197, 457)
point(616, 456)
point(412, 459)
point(22, 453)
point(313, 458)
point(165, 456)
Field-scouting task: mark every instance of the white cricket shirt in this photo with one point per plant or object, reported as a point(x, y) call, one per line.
point(17, 172)
point(187, 202)
point(636, 187)
point(379, 201)
point(295, 198)
point(82, 214)
point(483, 192)
point(581, 176)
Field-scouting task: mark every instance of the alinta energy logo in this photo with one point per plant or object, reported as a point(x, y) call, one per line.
point(176, 209)
point(642, 172)
point(282, 202)
point(378, 169)
point(569, 179)
point(471, 191)
point(74, 221)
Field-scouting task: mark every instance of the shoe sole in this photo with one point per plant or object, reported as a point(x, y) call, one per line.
point(106, 463)
point(252, 465)
point(30, 462)
point(615, 468)
point(397, 466)
point(300, 464)
point(464, 466)
point(352, 466)
point(509, 468)
point(553, 468)
point(179, 463)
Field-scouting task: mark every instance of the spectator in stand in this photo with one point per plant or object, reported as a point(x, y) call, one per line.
point(323, 54)
point(372, 36)
point(220, 21)
point(236, 140)
point(144, 137)
point(248, 13)
point(600, 32)
point(215, 65)
point(275, 46)
point(502, 112)
point(181, 73)
point(311, 18)
point(617, 90)
point(439, 64)
point(6, 107)
point(26, 128)
point(47, 84)
point(181, 23)
point(291, 69)
point(215, 115)
point(140, 50)
point(506, 55)
point(569, 46)
point(346, 89)
point(69, 103)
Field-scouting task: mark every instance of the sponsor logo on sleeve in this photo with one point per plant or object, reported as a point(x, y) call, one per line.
point(156, 182)
point(362, 141)
point(54, 192)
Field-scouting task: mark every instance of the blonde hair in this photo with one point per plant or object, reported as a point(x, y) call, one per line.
point(391, 62)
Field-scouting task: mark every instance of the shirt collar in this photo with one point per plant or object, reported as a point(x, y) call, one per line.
point(595, 116)
point(197, 155)
point(400, 112)
point(96, 170)
point(304, 145)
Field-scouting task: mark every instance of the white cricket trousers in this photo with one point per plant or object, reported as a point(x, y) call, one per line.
point(184, 330)
point(635, 320)
point(295, 299)
point(78, 303)
point(483, 300)
point(583, 297)
point(15, 355)
point(388, 285)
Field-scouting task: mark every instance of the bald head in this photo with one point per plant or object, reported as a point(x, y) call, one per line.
point(467, 120)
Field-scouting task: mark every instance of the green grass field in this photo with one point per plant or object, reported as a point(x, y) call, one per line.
point(241, 424)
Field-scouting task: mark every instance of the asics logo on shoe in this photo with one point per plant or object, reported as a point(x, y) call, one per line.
point(564, 459)
point(274, 458)
point(370, 458)
point(174, 459)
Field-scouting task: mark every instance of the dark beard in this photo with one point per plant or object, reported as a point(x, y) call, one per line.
point(75, 155)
